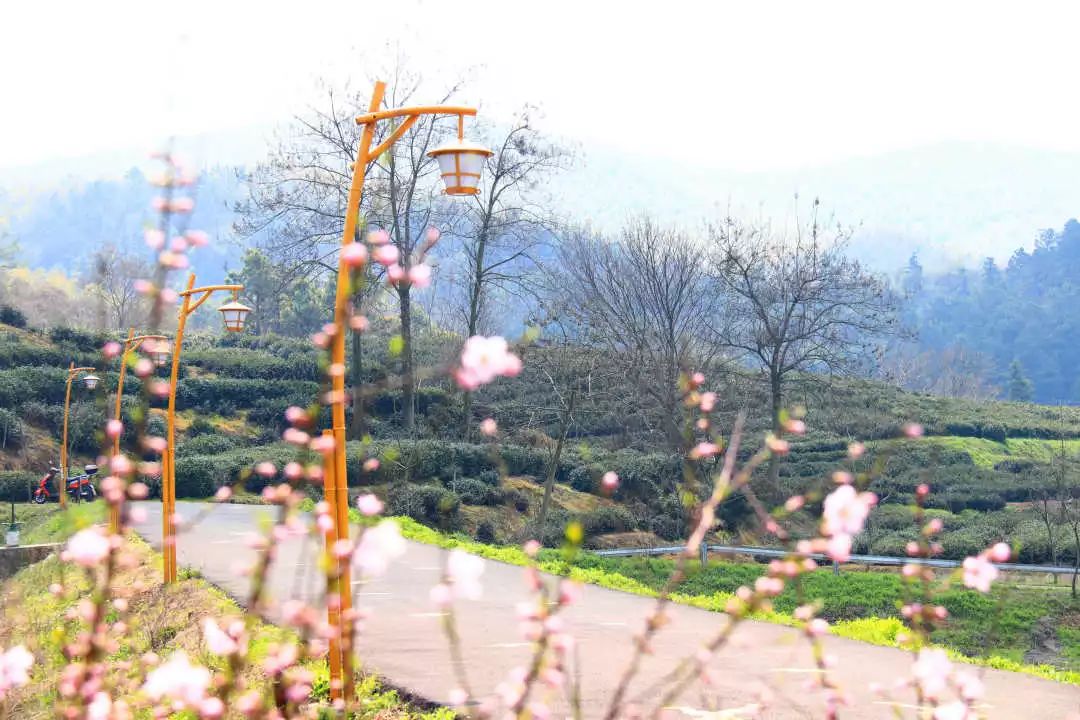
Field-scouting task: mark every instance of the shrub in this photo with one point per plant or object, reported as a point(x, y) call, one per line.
point(586, 478)
point(11, 430)
point(207, 445)
point(17, 485)
point(489, 477)
point(198, 476)
point(607, 519)
point(519, 499)
point(474, 492)
point(429, 504)
point(12, 316)
point(485, 532)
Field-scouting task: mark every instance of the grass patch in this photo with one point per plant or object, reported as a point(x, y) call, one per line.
point(162, 619)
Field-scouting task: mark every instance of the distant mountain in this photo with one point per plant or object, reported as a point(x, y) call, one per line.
point(955, 203)
point(62, 227)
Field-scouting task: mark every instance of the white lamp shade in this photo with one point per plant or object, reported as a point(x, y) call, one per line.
point(461, 164)
point(158, 350)
point(234, 314)
point(90, 381)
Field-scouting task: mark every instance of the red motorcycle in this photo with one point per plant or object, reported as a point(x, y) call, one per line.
point(78, 488)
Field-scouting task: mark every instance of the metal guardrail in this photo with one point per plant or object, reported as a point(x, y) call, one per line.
point(856, 559)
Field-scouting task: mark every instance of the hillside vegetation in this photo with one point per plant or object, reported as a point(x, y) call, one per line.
point(990, 463)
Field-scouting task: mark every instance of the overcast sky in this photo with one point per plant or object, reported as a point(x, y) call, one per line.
point(750, 85)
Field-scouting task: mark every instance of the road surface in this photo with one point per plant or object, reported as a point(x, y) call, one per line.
point(403, 641)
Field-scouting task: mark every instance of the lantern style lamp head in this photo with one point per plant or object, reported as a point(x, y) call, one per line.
point(90, 381)
point(158, 350)
point(461, 164)
point(234, 314)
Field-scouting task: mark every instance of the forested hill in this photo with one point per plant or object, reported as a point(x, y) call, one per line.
point(1024, 317)
point(63, 229)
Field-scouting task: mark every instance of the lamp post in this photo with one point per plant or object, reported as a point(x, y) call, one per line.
point(158, 349)
point(234, 314)
point(90, 381)
point(460, 164)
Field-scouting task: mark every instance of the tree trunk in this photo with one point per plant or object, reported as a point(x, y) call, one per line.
point(408, 385)
point(475, 293)
point(1076, 559)
point(553, 467)
point(776, 392)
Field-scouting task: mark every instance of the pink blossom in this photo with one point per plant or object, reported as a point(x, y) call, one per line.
point(217, 640)
point(378, 546)
point(610, 480)
point(211, 708)
point(432, 235)
point(378, 237)
point(182, 205)
point(87, 547)
point(795, 427)
point(704, 450)
point(354, 255)
point(531, 548)
point(489, 427)
point(856, 450)
point(359, 323)
point(113, 428)
point(14, 668)
point(839, 547)
point(707, 401)
point(457, 697)
point(441, 595)
point(100, 707)
point(464, 571)
point(394, 272)
point(979, 572)
point(323, 444)
point(932, 669)
point(952, 711)
point(178, 680)
point(155, 239)
point(386, 254)
point(420, 275)
point(1001, 552)
point(369, 505)
point(913, 430)
point(485, 358)
point(296, 415)
point(197, 238)
point(371, 464)
point(845, 510)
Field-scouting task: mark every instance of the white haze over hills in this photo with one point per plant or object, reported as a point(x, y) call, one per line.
point(954, 203)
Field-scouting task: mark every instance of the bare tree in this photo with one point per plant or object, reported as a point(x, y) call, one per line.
point(954, 371)
point(116, 280)
point(500, 232)
point(647, 299)
point(299, 194)
point(796, 303)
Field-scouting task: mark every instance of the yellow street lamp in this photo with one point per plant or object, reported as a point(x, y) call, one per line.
point(90, 381)
point(460, 164)
point(234, 315)
point(157, 347)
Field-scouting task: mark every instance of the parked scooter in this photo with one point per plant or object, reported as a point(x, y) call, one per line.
point(79, 487)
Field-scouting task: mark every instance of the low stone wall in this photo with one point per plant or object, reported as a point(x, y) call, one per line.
point(14, 559)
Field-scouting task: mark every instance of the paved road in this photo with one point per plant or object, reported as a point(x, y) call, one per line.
point(404, 644)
